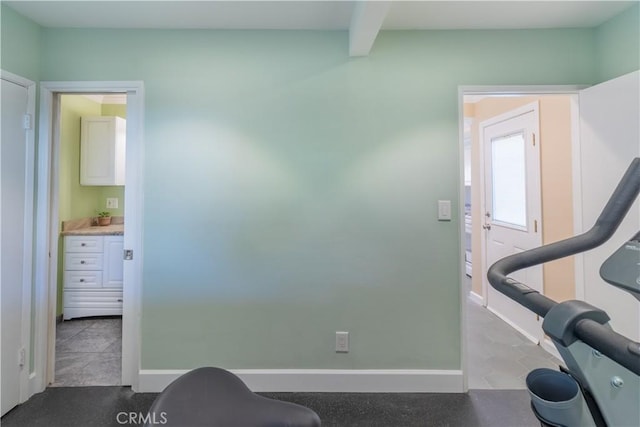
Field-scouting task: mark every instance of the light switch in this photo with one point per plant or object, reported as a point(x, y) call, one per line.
point(342, 342)
point(444, 210)
point(112, 203)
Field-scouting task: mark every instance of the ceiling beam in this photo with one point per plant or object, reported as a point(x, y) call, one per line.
point(366, 21)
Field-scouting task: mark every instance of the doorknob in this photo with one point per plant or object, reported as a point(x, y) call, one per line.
point(486, 226)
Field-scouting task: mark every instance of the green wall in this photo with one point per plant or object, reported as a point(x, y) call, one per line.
point(617, 43)
point(290, 191)
point(19, 44)
point(20, 55)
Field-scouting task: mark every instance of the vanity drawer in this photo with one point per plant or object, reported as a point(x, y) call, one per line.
point(83, 243)
point(83, 261)
point(82, 279)
point(93, 299)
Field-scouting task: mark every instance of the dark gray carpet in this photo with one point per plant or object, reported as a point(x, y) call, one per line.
point(99, 406)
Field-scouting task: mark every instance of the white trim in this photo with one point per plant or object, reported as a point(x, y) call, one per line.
point(327, 380)
point(462, 130)
point(516, 112)
point(115, 98)
point(54, 234)
point(476, 298)
point(134, 203)
point(518, 90)
point(547, 344)
point(46, 236)
point(14, 78)
point(34, 384)
point(29, 225)
point(535, 340)
point(576, 176)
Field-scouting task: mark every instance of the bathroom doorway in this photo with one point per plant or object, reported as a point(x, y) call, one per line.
point(89, 167)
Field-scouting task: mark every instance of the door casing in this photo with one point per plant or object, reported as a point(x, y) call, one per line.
point(27, 282)
point(505, 90)
point(47, 230)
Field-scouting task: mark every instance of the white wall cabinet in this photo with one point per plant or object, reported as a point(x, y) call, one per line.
point(102, 150)
point(92, 276)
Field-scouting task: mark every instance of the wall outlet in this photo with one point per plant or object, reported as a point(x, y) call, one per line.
point(112, 203)
point(342, 342)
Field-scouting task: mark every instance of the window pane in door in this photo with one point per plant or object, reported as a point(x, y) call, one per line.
point(508, 176)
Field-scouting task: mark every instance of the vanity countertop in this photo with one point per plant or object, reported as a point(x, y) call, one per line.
point(96, 230)
point(85, 227)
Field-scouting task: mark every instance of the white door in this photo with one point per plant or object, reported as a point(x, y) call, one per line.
point(13, 169)
point(609, 139)
point(512, 203)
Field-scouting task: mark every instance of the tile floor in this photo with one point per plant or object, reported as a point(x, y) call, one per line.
point(88, 352)
point(499, 356)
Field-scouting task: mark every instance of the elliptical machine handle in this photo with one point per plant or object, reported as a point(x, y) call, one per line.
point(617, 347)
point(607, 223)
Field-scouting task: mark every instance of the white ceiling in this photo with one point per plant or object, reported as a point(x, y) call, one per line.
point(318, 15)
point(363, 19)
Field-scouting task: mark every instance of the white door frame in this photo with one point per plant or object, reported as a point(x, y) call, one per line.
point(506, 90)
point(47, 229)
point(29, 227)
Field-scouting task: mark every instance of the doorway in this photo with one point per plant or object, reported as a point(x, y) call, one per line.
point(501, 348)
point(48, 252)
point(90, 146)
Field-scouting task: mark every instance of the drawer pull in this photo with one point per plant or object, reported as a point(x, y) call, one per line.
point(119, 299)
point(83, 244)
point(82, 262)
point(81, 280)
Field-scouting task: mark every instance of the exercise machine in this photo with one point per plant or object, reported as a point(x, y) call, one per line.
point(214, 397)
point(600, 385)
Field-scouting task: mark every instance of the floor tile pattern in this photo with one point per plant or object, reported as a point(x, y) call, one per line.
point(499, 357)
point(88, 352)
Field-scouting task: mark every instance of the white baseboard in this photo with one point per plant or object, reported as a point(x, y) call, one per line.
point(514, 326)
point(35, 385)
point(476, 298)
point(327, 380)
point(547, 344)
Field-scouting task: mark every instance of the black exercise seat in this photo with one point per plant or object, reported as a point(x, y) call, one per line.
point(214, 397)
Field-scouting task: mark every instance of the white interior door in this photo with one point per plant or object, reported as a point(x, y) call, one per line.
point(513, 206)
point(609, 140)
point(13, 171)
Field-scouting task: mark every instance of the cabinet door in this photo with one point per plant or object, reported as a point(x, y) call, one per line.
point(113, 251)
point(102, 144)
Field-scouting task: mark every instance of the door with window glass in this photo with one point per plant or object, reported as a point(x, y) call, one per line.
point(512, 203)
